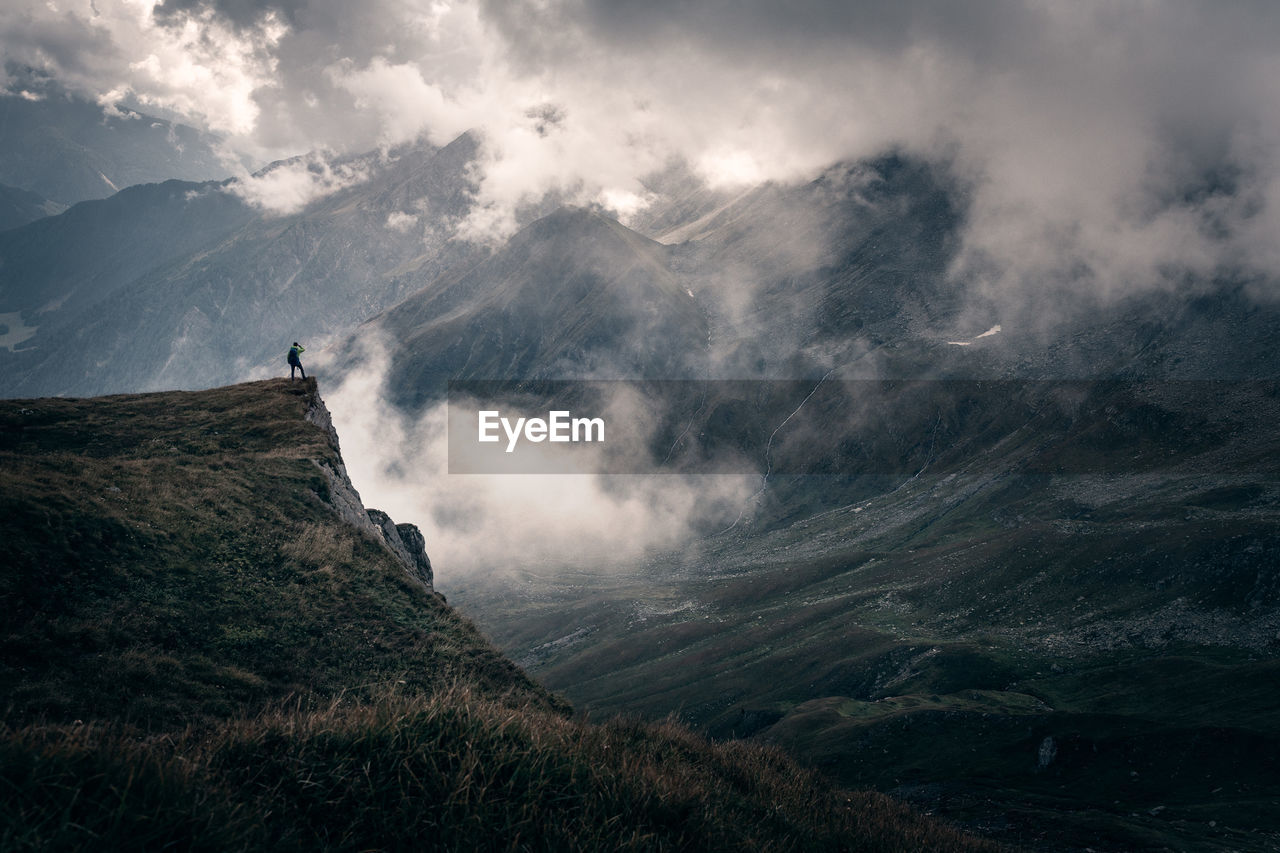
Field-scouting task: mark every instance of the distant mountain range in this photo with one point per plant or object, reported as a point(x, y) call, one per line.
point(186, 285)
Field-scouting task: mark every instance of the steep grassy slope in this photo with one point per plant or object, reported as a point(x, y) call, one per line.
point(173, 556)
point(204, 647)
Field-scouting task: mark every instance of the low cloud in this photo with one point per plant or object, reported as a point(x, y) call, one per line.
point(401, 221)
point(401, 104)
point(1099, 147)
point(289, 186)
point(494, 523)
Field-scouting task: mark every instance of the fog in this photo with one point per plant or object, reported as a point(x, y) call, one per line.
point(493, 524)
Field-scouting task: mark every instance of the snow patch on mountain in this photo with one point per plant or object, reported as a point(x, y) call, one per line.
point(994, 330)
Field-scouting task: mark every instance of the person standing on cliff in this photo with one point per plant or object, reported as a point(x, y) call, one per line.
point(295, 363)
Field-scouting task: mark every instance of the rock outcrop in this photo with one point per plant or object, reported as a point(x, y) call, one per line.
point(405, 541)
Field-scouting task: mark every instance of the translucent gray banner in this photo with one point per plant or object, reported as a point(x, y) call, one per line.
point(844, 427)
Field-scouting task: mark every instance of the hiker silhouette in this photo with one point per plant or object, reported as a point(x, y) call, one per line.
point(295, 363)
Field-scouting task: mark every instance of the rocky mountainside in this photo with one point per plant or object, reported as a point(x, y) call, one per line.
point(209, 643)
point(185, 285)
point(574, 294)
point(846, 277)
point(68, 151)
point(779, 282)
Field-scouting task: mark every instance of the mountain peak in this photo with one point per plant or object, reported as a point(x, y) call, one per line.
point(571, 221)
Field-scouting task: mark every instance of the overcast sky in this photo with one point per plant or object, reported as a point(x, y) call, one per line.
point(1131, 139)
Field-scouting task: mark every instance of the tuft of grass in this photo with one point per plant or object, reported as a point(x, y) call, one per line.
point(92, 788)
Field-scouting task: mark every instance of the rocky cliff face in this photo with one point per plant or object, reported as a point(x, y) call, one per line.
point(405, 541)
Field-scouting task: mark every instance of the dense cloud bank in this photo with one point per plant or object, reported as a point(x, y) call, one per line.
point(1108, 146)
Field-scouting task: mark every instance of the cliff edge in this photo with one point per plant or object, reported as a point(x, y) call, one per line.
point(181, 555)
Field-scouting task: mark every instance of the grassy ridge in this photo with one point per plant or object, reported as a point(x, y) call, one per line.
point(197, 653)
point(174, 556)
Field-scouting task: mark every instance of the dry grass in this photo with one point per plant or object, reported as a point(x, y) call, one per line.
point(452, 771)
point(320, 547)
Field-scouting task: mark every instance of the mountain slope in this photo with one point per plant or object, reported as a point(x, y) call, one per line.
point(775, 282)
point(79, 260)
point(174, 556)
point(69, 150)
point(823, 272)
point(181, 285)
point(209, 644)
point(18, 207)
point(574, 294)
